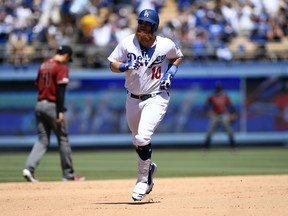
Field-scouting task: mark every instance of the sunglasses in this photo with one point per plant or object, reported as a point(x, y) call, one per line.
point(147, 23)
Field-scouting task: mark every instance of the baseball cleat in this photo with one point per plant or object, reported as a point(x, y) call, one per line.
point(29, 176)
point(143, 188)
point(139, 191)
point(152, 172)
point(75, 178)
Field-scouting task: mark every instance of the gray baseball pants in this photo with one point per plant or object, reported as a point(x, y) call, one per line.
point(46, 117)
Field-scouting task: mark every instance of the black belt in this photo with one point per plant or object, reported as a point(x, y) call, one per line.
point(144, 97)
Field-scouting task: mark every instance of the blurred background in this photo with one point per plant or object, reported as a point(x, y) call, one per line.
point(241, 43)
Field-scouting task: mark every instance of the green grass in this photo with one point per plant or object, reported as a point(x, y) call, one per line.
point(122, 164)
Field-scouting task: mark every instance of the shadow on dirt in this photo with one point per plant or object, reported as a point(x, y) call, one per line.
point(129, 203)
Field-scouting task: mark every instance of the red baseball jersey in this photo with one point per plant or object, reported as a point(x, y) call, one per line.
point(50, 74)
point(281, 103)
point(219, 102)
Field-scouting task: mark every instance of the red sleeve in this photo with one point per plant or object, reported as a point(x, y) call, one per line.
point(62, 75)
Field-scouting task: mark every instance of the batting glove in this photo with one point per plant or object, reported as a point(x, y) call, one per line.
point(133, 65)
point(136, 64)
point(165, 82)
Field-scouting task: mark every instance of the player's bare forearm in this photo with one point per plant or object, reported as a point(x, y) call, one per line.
point(114, 67)
point(176, 61)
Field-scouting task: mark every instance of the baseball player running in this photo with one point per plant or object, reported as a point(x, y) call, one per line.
point(51, 82)
point(149, 62)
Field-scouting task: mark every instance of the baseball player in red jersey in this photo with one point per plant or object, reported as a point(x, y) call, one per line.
point(51, 81)
point(219, 107)
point(149, 62)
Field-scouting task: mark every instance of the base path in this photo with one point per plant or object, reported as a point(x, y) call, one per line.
point(203, 196)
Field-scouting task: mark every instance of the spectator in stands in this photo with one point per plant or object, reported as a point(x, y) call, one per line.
point(23, 14)
point(199, 47)
point(272, 7)
point(122, 29)
point(228, 33)
point(149, 4)
point(224, 53)
point(51, 12)
point(6, 25)
point(230, 14)
point(183, 4)
point(275, 33)
point(50, 22)
point(102, 34)
point(81, 7)
point(87, 24)
point(241, 51)
point(259, 35)
point(246, 24)
point(51, 34)
point(18, 49)
point(216, 30)
point(171, 29)
point(282, 18)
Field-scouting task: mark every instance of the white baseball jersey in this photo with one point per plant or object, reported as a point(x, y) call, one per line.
point(145, 80)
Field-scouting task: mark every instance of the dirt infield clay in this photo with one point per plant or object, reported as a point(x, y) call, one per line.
point(244, 195)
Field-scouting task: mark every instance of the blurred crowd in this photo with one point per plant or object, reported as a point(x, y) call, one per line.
point(32, 29)
point(214, 25)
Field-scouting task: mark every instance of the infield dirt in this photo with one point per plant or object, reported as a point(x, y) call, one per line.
point(199, 196)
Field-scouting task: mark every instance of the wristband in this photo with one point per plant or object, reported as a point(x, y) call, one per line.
point(172, 70)
point(123, 67)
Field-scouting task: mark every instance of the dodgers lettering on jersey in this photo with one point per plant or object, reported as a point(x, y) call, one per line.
point(145, 80)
